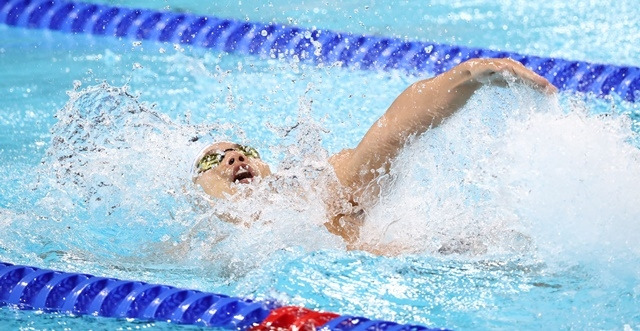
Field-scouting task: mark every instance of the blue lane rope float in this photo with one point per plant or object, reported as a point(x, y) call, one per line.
point(318, 46)
point(27, 287)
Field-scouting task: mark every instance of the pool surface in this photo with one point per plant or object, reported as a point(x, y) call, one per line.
point(521, 211)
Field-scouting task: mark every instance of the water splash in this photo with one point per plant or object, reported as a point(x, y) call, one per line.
point(115, 184)
point(489, 187)
point(510, 174)
point(112, 172)
point(517, 174)
point(283, 212)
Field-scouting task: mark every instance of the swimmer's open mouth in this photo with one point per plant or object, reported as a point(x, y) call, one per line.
point(243, 175)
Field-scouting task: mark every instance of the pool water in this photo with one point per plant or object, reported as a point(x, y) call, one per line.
point(521, 211)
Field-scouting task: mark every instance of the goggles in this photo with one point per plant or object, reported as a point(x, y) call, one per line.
point(213, 159)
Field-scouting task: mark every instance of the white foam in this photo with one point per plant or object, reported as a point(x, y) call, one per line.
point(121, 172)
point(515, 173)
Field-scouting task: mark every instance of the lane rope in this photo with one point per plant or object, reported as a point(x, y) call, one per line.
point(26, 287)
point(273, 40)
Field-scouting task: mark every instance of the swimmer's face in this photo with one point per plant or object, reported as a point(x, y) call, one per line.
point(224, 165)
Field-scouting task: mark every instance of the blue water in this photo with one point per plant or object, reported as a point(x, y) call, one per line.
point(520, 212)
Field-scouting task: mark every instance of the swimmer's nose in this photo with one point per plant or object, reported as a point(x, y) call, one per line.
point(235, 157)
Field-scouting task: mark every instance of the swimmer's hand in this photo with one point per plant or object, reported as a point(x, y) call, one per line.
point(501, 72)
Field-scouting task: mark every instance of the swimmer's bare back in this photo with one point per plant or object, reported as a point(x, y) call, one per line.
point(423, 105)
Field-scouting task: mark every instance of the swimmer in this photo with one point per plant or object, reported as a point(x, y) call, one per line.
point(425, 104)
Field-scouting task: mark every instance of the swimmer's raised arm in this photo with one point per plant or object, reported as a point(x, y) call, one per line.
point(423, 105)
